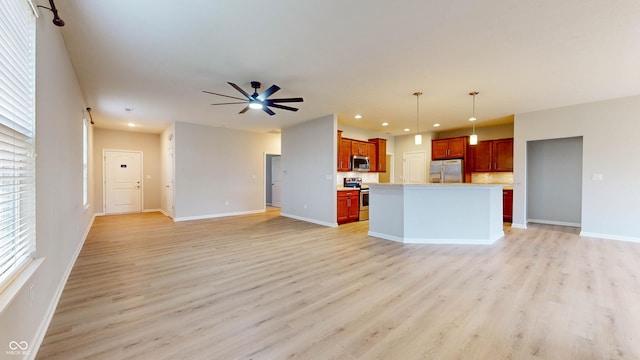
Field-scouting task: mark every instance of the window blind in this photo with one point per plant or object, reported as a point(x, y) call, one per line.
point(17, 120)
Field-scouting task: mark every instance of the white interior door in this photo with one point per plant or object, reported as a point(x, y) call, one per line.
point(414, 169)
point(123, 181)
point(169, 182)
point(276, 190)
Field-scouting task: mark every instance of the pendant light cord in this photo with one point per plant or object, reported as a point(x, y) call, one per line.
point(417, 95)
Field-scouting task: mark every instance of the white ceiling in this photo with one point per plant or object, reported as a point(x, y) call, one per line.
point(348, 57)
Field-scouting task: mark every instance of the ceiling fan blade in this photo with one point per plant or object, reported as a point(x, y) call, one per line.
point(268, 111)
point(233, 97)
point(284, 107)
point(244, 110)
point(244, 102)
point(270, 91)
point(285, 100)
point(240, 90)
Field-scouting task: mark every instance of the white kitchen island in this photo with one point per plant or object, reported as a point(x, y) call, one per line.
point(436, 213)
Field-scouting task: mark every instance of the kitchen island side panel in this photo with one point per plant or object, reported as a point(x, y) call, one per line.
point(386, 207)
point(436, 213)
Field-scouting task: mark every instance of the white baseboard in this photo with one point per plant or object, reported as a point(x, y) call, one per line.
point(213, 216)
point(552, 222)
point(44, 325)
point(425, 241)
point(152, 210)
point(518, 226)
point(610, 237)
point(314, 221)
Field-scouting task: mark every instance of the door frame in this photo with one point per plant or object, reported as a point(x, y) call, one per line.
point(104, 177)
point(267, 169)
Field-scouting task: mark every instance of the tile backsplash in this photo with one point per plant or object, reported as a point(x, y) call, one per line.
point(367, 177)
point(492, 178)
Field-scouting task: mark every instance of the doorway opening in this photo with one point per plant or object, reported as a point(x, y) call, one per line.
point(554, 181)
point(273, 181)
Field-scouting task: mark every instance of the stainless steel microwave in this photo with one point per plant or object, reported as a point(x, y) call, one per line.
point(359, 163)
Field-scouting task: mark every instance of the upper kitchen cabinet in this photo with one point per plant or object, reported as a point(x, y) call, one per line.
point(344, 152)
point(378, 154)
point(492, 155)
point(375, 149)
point(359, 148)
point(452, 148)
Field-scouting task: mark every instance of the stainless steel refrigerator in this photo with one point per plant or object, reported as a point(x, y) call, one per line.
point(446, 171)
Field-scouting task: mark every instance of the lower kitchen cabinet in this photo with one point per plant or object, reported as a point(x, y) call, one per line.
point(507, 205)
point(348, 207)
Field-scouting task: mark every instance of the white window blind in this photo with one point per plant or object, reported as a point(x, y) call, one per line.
point(17, 120)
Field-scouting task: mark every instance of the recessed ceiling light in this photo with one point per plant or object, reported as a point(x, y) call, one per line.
point(407, 129)
point(128, 109)
point(472, 119)
point(436, 125)
point(131, 125)
point(385, 124)
point(358, 116)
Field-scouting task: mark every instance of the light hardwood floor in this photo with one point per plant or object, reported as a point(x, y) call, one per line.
point(268, 287)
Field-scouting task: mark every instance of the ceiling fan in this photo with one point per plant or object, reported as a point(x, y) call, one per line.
point(259, 101)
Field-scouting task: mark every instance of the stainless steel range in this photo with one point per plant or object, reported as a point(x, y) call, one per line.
point(364, 196)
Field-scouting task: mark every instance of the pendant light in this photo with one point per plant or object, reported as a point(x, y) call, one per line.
point(418, 137)
point(473, 139)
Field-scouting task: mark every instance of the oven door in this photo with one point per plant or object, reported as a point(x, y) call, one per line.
point(364, 205)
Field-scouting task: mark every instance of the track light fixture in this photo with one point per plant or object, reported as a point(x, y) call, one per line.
point(90, 117)
point(56, 18)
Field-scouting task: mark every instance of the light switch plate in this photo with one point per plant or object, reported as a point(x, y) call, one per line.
point(596, 177)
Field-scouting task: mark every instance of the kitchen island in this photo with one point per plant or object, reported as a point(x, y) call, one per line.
point(436, 213)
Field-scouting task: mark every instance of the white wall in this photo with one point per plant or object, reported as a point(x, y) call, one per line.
point(610, 131)
point(166, 166)
point(309, 171)
point(61, 220)
point(219, 171)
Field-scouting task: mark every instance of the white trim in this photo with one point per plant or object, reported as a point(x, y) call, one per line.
point(33, 8)
point(213, 216)
point(11, 291)
point(46, 321)
point(314, 221)
point(406, 240)
point(610, 237)
point(518, 226)
point(386, 236)
point(151, 210)
point(553, 222)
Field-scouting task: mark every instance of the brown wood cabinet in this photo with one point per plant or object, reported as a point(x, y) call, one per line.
point(492, 155)
point(344, 152)
point(380, 154)
point(348, 207)
point(375, 149)
point(452, 148)
point(359, 148)
point(507, 205)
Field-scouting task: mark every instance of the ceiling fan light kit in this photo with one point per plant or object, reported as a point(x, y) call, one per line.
point(258, 101)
